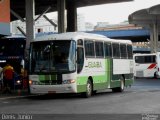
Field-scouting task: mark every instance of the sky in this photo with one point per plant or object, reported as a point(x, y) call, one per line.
point(114, 13)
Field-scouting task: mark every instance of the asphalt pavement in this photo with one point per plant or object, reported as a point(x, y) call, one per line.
point(14, 94)
point(140, 84)
point(140, 102)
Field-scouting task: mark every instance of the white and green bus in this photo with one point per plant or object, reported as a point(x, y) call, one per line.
point(79, 63)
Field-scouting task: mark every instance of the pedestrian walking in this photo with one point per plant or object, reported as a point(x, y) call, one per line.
point(8, 76)
point(1, 78)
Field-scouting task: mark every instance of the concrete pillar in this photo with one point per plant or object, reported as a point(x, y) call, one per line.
point(151, 40)
point(30, 26)
point(155, 36)
point(71, 16)
point(61, 5)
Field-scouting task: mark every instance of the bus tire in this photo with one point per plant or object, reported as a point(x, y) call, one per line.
point(121, 88)
point(89, 89)
point(94, 92)
point(155, 75)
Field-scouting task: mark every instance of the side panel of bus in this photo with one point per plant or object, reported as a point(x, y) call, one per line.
point(146, 68)
point(121, 66)
point(98, 71)
point(158, 64)
point(105, 73)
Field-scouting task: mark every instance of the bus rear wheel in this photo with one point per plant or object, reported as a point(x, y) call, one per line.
point(155, 75)
point(121, 88)
point(89, 89)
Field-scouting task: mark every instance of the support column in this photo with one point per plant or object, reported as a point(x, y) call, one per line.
point(61, 5)
point(155, 36)
point(30, 26)
point(151, 40)
point(71, 16)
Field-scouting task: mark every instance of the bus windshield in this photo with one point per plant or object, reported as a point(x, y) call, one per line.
point(52, 56)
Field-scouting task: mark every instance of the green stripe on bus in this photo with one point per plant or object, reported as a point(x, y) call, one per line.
point(41, 77)
point(53, 77)
point(44, 77)
point(47, 77)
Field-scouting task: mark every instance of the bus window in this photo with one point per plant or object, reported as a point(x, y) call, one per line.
point(123, 50)
point(89, 48)
point(145, 59)
point(130, 54)
point(99, 49)
point(80, 42)
point(80, 59)
point(108, 49)
point(115, 48)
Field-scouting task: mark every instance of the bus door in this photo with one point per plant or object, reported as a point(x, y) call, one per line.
point(80, 56)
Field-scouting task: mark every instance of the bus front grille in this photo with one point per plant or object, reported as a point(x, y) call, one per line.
point(51, 82)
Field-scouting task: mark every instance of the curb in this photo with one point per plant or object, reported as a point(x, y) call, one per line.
point(11, 97)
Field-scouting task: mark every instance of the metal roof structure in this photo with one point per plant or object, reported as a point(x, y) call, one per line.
point(135, 35)
point(40, 5)
point(154, 9)
point(149, 18)
point(143, 18)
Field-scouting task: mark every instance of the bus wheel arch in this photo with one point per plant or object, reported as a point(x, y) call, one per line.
point(122, 85)
point(121, 88)
point(155, 75)
point(123, 78)
point(89, 88)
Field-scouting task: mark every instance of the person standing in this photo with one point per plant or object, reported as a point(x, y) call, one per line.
point(8, 76)
point(1, 78)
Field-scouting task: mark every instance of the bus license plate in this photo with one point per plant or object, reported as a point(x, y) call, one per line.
point(51, 92)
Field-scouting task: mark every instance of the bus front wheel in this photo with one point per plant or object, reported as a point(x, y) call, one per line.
point(89, 90)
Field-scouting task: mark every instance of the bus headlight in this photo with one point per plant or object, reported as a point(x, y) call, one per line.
point(30, 82)
point(33, 82)
point(18, 82)
point(68, 81)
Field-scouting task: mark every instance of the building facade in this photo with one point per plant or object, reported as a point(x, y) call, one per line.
point(43, 26)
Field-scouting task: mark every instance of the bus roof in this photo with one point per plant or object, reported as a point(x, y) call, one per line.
point(146, 54)
point(13, 37)
point(79, 35)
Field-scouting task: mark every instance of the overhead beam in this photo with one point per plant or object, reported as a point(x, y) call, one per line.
point(50, 21)
point(21, 31)
point(41, 5)
point(16, 15)
point(43, 13)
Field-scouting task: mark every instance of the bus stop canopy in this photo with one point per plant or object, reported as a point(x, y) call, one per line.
point(143, 18)
point(154, 9)
point(149, 18)
point(40, 5)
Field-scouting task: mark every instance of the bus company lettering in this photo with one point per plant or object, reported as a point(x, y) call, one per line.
point(94, 64)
